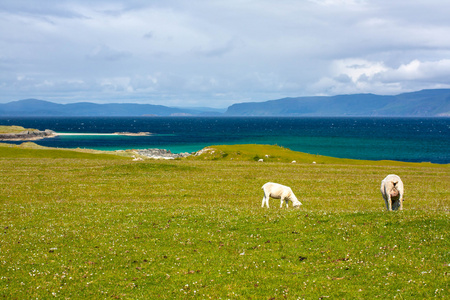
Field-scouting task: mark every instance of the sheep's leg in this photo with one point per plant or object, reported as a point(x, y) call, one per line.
point(400, 199)
point(397, 204)
point(389, 202)
point(283, 200)
point(386, 202)
point(265, 200)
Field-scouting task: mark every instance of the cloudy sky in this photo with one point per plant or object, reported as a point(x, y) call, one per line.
point(219, 52)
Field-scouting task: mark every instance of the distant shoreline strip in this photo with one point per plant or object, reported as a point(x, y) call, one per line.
point(62, 133)
point(103, 134)
point(31, 135)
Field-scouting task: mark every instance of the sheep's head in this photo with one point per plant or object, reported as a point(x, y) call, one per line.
point(297, 204)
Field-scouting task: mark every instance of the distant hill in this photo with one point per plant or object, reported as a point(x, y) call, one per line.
point(34, 108)
point(425, 103)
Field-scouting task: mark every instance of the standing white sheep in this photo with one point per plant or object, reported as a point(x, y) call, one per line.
point(392, 191)
point(278, 191)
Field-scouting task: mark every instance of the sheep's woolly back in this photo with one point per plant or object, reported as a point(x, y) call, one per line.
point(392, 190)
point(279, 191)
point(276, 190)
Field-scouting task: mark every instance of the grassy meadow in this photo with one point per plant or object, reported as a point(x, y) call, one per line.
point(13, 129)
point(98, 226)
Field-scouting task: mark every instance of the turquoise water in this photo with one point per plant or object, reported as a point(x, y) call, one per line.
point(402, 139)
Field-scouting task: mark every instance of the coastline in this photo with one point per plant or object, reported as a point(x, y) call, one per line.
point(33, 135)
point(415, 140)
point(28, 135)
point(104, 134)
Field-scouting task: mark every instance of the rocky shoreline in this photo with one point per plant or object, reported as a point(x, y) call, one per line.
point(160, 153)
point(27, 135)
point(155, 153)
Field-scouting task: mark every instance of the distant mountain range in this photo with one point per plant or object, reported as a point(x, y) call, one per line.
point(35, 108)
point(425, 103)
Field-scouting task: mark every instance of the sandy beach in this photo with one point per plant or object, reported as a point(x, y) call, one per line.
point(106, 134)
point(96, 134)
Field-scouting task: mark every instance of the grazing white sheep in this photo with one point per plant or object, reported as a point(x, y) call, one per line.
point(278, 191)
point(392, 191)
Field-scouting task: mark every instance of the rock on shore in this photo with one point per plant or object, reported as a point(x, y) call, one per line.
point(161, 153)
point(27, 135)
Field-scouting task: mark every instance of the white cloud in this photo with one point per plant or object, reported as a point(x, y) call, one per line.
point(356, 75)
point(357, 68)
point(434, 71)
point(338, 2)
point(224, 51)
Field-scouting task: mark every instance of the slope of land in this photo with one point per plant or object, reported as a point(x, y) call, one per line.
point(77, 225)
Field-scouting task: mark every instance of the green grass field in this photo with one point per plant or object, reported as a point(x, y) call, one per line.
point(13, 129)
point(96, 226)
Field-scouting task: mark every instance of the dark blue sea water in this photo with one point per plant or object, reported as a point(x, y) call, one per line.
point(402, 139)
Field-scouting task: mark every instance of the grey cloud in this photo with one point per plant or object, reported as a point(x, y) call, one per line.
point(149, 35)
point(343, 78)
point(216, 50)
point(40, 9)
point(106, 53)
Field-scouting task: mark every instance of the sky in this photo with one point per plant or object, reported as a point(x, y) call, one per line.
point(218, 52)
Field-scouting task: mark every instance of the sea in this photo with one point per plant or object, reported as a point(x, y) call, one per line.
point(400, 139)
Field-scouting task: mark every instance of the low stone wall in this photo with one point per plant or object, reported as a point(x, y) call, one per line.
point(27, 135)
